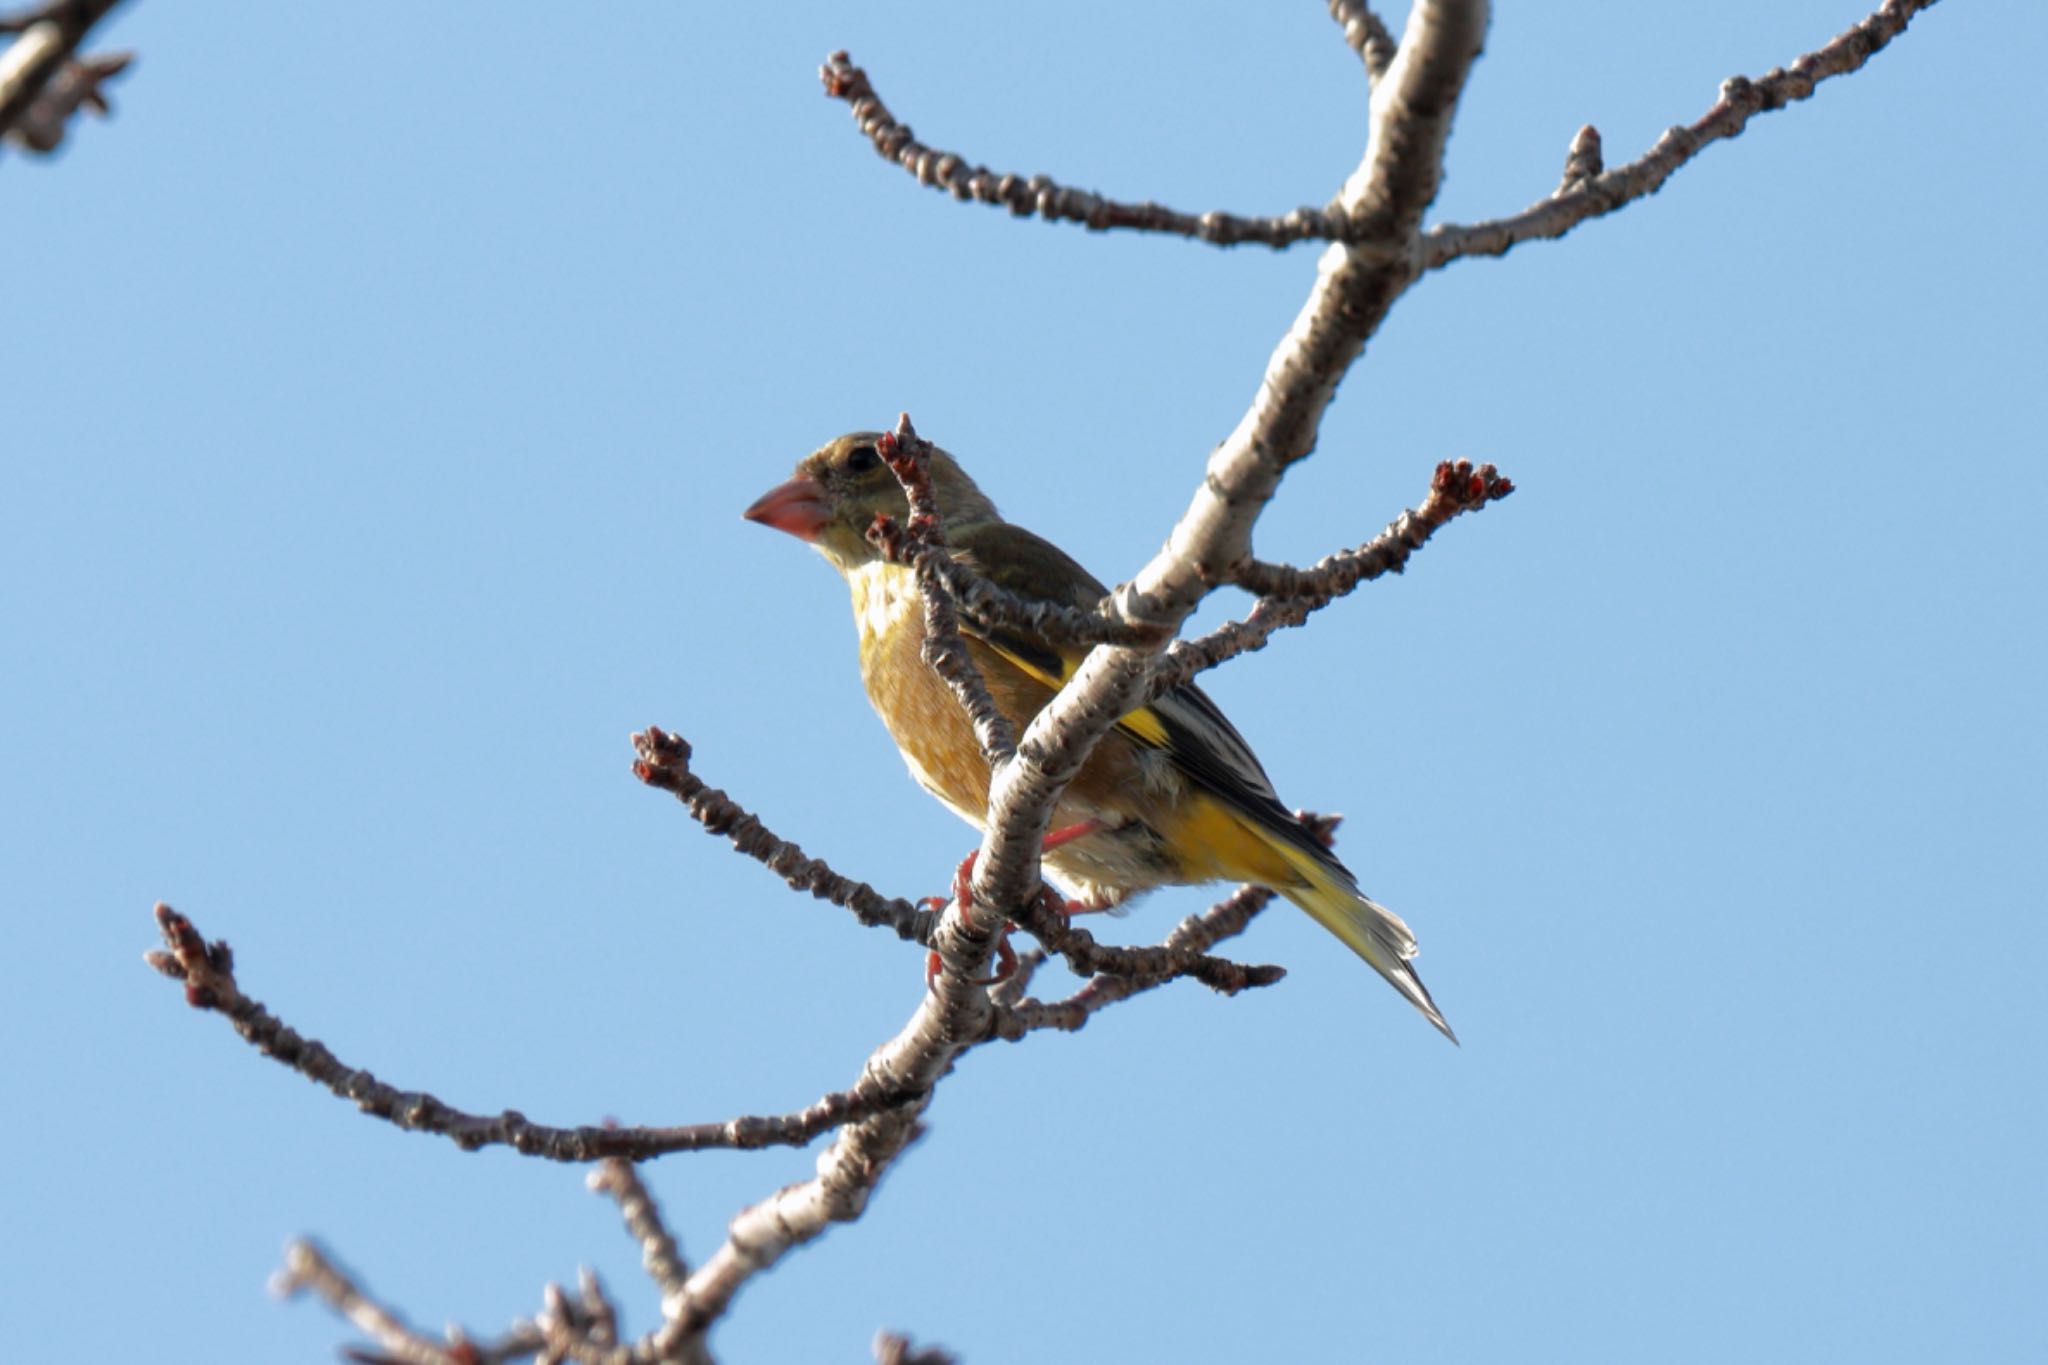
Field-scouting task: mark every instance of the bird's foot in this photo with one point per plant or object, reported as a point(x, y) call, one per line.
point(963, 875)
point(963, 897)
point(962, 894)
point(1006, 965)
point(1066, 834)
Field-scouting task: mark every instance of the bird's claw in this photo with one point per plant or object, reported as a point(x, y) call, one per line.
point(1006, 966)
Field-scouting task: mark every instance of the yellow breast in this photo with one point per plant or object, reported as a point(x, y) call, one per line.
point(926, 722)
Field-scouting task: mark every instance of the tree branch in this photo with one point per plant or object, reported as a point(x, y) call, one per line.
point(1184, 947)
point(921, 544)
point(658, 1253)
point(40, 84)
point(1289, 595)
point(207, 969)
point(1587, 192)
point(1367, 33)
point(307, 1269)
point(1041, 195)
point(584, 1329)
point(663, 761)
point(877, 1120)
point(893, 1348)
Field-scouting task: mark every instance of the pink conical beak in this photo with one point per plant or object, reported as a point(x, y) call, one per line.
point(799, 507)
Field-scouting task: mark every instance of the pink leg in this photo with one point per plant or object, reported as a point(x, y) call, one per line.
point(963, 896)
point(1006, 965)
point(1066, 834)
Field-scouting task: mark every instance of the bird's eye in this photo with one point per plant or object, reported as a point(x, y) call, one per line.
point(861, 459)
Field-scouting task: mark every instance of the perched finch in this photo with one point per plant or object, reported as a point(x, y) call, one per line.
point(1172, 795)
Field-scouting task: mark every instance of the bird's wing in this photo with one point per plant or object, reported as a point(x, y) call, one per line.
point(1182, 722)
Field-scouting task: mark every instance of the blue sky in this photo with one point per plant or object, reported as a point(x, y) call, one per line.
point(380, 409)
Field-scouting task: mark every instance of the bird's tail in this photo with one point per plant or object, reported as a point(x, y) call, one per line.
point(1371, 930)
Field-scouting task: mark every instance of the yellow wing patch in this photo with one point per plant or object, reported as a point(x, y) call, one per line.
point(1141, 723)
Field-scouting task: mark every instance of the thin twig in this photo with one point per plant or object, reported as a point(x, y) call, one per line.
point(659, 1254)
point(583, 1329)
point(1041, 195)
point(893, 1348)
point(1582, 198)
point(1103, 989)
point(663, 761)
point(594, 1315)
point(307, 1269)
point(1185, 945)
point(207, 969)
point(1289, 595)
point(921, 543)
point(49, 35)
point(1047, 921)
point(990, 606)
point(79, 84)
point(1367, 33)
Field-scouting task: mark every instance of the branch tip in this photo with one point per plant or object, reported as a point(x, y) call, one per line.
point(1579, 198)
point(662, 761)
point(42, 82)
point(1582, 160)
point(1046, 198)
point(1289, 595)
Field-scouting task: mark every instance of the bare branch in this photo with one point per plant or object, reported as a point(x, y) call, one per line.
point(663, 761)
point(42, 56)
point(1182, 948)
point(659, 1254)
point(1289, 595)
point(922, 545)
point(989, 605)
point(1583, 197)
point(584, 1329)
point(765, 1232)
point(1367, 33)
point(1047, 920)
point(893, 1348)
point(878, 1120)
point(207, 969)
point(308, 1270)
point(77, 85)
point(591, 1316)
point(1041, 195)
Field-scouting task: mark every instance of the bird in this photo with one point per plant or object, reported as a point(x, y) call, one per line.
point(1172, 795)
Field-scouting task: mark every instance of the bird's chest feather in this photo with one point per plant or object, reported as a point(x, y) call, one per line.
point(926, 722)
point(1121, 787)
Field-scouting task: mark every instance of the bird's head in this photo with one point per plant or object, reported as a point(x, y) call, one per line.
point(841, 487)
